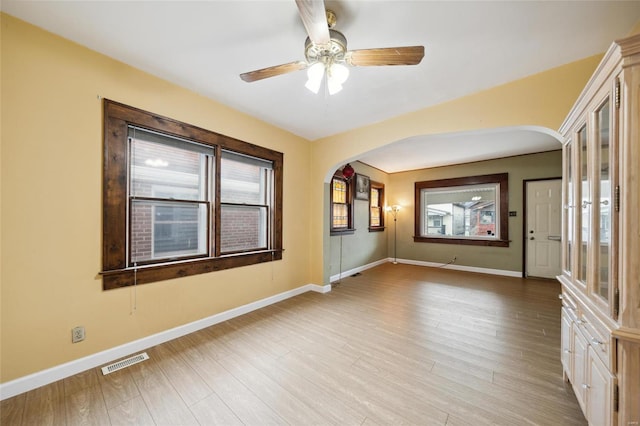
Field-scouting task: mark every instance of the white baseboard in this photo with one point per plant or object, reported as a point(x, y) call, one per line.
point(50, 375)
point(516, 274)
point(350, 272)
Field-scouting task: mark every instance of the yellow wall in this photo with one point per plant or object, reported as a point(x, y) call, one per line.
point(51, 175)
point(543, 99)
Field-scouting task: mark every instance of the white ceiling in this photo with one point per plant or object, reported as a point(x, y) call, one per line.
point(469, 46)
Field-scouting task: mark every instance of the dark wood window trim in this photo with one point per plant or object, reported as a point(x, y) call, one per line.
point(349, 184)
point(117, 272)
point(501, 178)
point(379, 187)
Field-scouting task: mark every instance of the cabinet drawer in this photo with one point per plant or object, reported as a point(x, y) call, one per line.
point(597, 337)
point(569, 304)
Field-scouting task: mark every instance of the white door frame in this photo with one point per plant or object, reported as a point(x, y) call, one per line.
point(525, 218)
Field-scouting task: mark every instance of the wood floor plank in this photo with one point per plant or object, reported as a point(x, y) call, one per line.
point(334, 410)
point(355, 397)
point(117, 387)
point(235, 395)
point(86, 379)
point(12, 410)
point(85, 405)
point(45, 405)
point(183, 378)
point(213, 411)
point(429, 387)
point(290, 408)
point(163, 401)
point(133, 412)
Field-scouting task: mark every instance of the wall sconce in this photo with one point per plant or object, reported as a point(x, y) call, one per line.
point(394, 212)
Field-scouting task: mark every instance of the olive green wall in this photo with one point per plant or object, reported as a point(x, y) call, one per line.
point(400, 190)
point(362, 247)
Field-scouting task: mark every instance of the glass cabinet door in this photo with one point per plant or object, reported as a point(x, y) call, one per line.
point(603, 207)
point(583, 210)
point(569, 207)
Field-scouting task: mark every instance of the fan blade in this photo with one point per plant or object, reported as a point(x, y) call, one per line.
point(314, 18)
point(410, 55)
point(273, 71)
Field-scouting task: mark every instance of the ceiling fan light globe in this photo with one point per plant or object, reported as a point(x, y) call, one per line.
point(314, 74)
point(339, 72)
point(313, 85)
point(334, 86)
point(315, 71)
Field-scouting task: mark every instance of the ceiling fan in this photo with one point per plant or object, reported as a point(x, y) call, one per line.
point(326, 53)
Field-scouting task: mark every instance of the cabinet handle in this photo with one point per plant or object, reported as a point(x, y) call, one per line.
point(579, 322)
point(596, 341)
point(604, 202)
point(585, 386)
point(567, 351)
point(560, 297)
point(585, 204)
point(567, 206)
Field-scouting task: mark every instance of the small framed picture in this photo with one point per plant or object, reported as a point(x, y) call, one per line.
point(363, 187)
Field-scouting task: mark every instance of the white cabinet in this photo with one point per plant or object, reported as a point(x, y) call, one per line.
point(599, 390)
point(566, 347)
point(601, 240)
point(579, 377)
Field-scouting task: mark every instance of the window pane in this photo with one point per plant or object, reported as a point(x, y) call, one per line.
point(463, 211)
point(162, 230)
point(375, 216)
point(243, 179)
point(243, 228)
point(375, 197)
point(166, 167)
point(339, 191)
point(340, 215)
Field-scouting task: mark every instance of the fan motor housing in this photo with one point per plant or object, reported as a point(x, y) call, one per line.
point(334, 50)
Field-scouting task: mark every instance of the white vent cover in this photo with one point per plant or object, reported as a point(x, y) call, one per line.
point(124, 363)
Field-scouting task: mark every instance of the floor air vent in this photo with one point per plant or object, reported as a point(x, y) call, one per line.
point(124, 363)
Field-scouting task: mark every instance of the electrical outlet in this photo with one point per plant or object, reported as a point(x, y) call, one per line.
point(77, 334)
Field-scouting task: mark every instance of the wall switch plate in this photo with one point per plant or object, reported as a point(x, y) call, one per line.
point(77, 334)
point(513, 213)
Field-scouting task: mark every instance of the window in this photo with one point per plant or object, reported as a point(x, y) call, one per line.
point(470, 210)
point(180, 200)
point(245, 197)
point(169, 197)
point(341, 205)
point(376, 206)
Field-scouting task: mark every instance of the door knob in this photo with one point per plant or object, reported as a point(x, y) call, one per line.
point(532, 238)
point(531, 232)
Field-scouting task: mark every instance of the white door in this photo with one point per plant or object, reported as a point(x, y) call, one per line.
point(543, 228)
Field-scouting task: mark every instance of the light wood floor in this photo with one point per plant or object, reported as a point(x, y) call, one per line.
point(398, 344)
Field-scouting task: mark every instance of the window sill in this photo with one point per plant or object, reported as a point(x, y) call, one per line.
point(462, 241)
point(349, 231)
point(377, 229)
point(159, 272)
